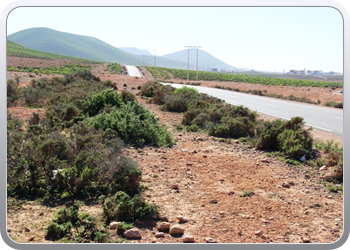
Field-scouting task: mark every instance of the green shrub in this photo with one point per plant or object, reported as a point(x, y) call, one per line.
point(12, 92)
point(185, 89)
point(148, 88)
point(288, 137)
point(68, 219)
point(97, 101)
point(334, 104)
point(267, 133)
point(295, 143)
point(126, 96)
point(221, 120)
point(109, 84)
point(124, 208)
point(161, 92)
point(134, 124)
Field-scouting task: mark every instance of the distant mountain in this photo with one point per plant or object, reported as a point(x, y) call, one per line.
point(162, 62)
point(205, 60)
point(62, 43)
point(52, 41)
point(135, 51)
point(14, 49)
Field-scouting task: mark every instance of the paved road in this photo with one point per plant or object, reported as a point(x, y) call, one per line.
point(323, 118)
point(133, 71)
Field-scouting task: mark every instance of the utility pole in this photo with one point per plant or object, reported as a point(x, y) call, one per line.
point(197, 62)
point(188, 63)
point(144, 56)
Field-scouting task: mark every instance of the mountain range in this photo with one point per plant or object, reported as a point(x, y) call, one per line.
point(87, 47)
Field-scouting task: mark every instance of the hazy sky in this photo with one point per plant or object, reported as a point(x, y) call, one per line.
point(263, 38)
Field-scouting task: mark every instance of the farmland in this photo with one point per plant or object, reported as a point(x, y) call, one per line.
point(228, 77)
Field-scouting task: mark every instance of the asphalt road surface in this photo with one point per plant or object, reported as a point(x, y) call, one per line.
point(133, 71)
point(323, 118)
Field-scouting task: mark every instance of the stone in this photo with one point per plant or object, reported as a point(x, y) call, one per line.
point(323, 168)
point(210, 240)
point(31, 238)
point(9, 230)
point(175, 186)
point(285, 184)
point(41, 214)
point(114, 224)
point(258, 232)
point(307, 176)
point(159, 234)
point(205, 156)
point(163, 226)
point(177, 229)
point(187, 238)
point(231, 193)
point(182, 219)
point(265, 160)
point(213, 201)
point(236, 141)
point(133, 233)
point(153, 240)
point(265, 221)
point(222, 213)
point(163, 218)
point(27, 229)
point(306, 240)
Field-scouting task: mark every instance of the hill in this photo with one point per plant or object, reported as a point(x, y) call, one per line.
point(205, 60)
point(14, 49)
point(52, 41)
point(135, 51)
point(163, 62)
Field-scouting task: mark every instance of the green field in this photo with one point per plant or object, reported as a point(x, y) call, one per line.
point(159, 73)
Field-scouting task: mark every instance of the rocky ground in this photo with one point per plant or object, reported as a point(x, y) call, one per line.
point(198, 185)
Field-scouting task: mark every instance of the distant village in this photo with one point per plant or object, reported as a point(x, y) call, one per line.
point(291, 72)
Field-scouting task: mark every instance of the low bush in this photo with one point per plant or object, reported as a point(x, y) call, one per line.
point(94, 102)
point(185, 89)
point(124, 208)
point(134, 124)
point(12, 92)
point(69, 222)
point(221, 120)
point(334, 104)
point(288, 137)
point(127, 96)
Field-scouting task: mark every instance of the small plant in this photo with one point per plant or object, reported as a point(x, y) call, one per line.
point(334, 189)
point(155, 175)
point(313, 205)
point(247, 193)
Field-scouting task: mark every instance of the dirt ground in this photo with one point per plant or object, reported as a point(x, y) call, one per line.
point(211, 178)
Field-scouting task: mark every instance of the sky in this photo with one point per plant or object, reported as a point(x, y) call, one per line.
point(262, 38)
